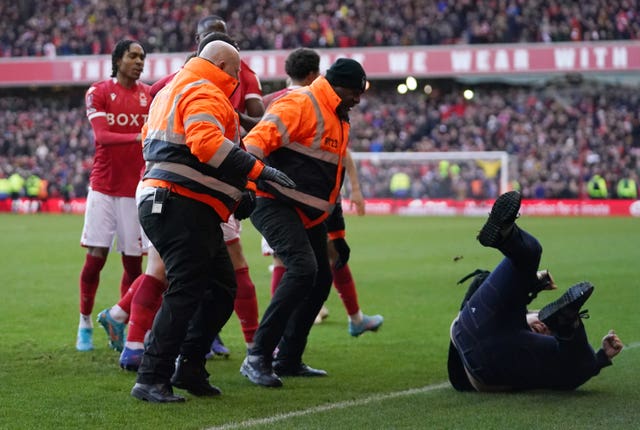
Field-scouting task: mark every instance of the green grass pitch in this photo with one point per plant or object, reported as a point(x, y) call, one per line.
point(405, 268)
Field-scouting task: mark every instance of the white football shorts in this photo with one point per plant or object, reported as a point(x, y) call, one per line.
point(266, 249)
point(141, 193)
point(107, 218)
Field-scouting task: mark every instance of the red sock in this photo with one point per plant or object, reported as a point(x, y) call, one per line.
point(246, 304)
point(278, 273)
point(343, 281)
point(146, 302)
point(125, 301)
point(89, 280)
point(132, 269)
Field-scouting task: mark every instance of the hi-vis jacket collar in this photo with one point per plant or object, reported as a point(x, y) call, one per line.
point(332, 99)
point(211, 72)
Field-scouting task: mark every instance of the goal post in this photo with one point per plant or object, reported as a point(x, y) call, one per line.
point(376, 168)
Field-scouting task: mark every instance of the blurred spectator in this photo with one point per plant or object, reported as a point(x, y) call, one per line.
point(16, 185)
point(400, 185)
point(48, 131)
point(627, 188)
point(597, 187)
point(81, 27)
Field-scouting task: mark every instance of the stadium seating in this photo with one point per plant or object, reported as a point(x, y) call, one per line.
point(52, 27)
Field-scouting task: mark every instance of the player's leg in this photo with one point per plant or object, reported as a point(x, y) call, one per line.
point(97, 235)
point(278, 268)
point(345, 285)
point(246, 302)
point(115, 318)
point(129, 241)
point(144, 306)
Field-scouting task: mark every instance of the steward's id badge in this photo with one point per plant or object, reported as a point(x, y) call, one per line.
point(159, 197)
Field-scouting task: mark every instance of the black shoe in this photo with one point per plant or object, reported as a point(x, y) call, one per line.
point(563, 315)
point(155, 393)
point(192, 376)
point(300, 369)
point(501, 219)
point(259, 371)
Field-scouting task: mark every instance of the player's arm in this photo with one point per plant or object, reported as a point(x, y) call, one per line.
point(247, 122)
point(105, 136)
point(357, 199)
point(254, 107)
point(97, 115)
point(160, 84)
point(255, 110)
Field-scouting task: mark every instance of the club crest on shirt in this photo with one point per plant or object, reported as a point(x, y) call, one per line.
point(113, 96)
point(143, 99)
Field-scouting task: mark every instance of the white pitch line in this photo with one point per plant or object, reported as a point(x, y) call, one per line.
point(345, 404)
point(330, 407)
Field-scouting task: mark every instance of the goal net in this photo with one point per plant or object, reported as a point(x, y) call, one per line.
point(432, 175)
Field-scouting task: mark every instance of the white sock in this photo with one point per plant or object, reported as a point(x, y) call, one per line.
point(118, 314)
point(134, 345)
point(356, 318)
point(85, 321)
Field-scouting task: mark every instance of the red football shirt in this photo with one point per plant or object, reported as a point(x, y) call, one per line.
point(271, 97)
point(161, 83)
point(249, 88)
point(117, 115)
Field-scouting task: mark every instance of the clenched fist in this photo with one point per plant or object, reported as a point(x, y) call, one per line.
point(611, 344)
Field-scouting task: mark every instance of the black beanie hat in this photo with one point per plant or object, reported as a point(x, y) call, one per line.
point(347, 73)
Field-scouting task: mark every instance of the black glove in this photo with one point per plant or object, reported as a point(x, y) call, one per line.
point(343, 251)
point(246, 205)
point(275, 175)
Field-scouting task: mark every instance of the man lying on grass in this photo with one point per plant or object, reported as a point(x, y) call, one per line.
point(496, 345)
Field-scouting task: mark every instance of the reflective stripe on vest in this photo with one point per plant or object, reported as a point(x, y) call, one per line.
point(313, 150)
point(170, 159)
point(196, 176)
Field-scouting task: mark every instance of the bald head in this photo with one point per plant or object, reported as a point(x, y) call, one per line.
point(223, 55)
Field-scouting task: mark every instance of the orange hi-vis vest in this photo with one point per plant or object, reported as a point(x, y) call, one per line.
point(191, 139)
point(302, 136)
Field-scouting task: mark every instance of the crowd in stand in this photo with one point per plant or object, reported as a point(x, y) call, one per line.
point(50, 137)
point(73, 27)
point(557, 137)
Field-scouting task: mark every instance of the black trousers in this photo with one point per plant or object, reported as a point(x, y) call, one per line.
point(304, 287)
point(202, 284)
point(494, 339)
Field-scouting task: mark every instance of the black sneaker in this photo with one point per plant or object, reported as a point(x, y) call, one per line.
point(256, 368)
point(283, 369)
point(562, 315)
point(155, 393)
point(191, 375)
point(501, 219)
